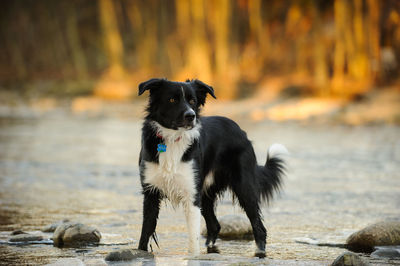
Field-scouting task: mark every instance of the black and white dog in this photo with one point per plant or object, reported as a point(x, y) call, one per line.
point(191, 160)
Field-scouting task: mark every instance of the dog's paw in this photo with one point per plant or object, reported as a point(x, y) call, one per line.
point(260, 253)
point(212, 249)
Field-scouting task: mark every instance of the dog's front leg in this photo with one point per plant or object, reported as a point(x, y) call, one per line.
point(192, 214)
point(151, 208)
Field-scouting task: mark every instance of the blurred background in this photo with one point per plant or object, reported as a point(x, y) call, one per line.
point(243, 48)
point(319, 76)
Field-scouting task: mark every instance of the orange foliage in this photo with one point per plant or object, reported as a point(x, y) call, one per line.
point(343, 47)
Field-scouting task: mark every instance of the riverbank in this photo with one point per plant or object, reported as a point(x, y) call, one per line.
point(379, 106)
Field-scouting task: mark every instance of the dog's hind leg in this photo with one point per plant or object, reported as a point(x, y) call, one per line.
point(250, 203)
point(151, 208)
point(213, 227)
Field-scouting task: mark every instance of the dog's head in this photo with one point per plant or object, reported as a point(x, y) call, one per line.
point(175, 104)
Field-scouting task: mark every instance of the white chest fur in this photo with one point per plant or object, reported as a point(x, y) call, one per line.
point(174, 178)
point(175, 181)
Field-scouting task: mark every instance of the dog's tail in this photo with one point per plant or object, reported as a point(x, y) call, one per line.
point(271, 174)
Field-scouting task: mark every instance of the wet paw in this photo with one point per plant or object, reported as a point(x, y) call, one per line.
point(260, 254)
point(212, 249)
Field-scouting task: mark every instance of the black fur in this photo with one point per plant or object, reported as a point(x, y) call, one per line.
point(222, 148)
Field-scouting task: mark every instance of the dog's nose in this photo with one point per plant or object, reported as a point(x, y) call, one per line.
point(189, 115)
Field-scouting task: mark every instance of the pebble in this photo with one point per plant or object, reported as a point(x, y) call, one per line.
point(25, 238)
point(52, 227)
point(18, 232)
point(75, 234)
point(387, 252)
point(386, 233)
point(349, 259)
point(128, 254)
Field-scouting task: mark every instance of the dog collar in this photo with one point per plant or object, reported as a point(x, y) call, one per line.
point(162, 147)
point(158, 135)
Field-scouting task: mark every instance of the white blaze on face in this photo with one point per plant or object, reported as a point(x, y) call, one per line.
point(190, 108)
point(183, 92)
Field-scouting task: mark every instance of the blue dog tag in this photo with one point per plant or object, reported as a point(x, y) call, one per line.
point(161, 148)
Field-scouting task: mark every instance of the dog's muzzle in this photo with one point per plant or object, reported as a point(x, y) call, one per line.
point(189, 118)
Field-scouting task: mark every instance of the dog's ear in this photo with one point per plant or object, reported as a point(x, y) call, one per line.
point(150, 84)
point(202, 89)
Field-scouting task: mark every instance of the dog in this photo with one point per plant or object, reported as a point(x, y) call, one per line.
point(191, 160)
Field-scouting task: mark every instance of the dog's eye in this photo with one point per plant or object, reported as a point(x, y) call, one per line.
point(192, 102)
point(171, 100)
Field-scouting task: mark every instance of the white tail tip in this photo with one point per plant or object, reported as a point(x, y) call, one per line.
point(277, 150)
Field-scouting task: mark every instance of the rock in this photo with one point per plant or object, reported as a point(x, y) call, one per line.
point(18, 232)
point(67, 261)
point(387, 252)
point(349, 259)
point(75, 234)
point(128, 254)
point(385, 233)
point(234, 227)
point(25, 238)
point(52, 227)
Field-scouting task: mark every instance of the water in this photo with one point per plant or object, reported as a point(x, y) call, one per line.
point(85, 169)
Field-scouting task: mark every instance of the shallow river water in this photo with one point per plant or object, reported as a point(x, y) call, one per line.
point(85, 169)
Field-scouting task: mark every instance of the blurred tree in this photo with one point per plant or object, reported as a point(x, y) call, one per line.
point(224, 70)
point(257, 48)
point(114, 83)
point(341, 38)
point(335, 47)
point(197, 58)
point(320, 61)
point(221, 23)
point(72, 30)
point(373, 37)
point(112, 38)
point(358, 65)
point(142, 20)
